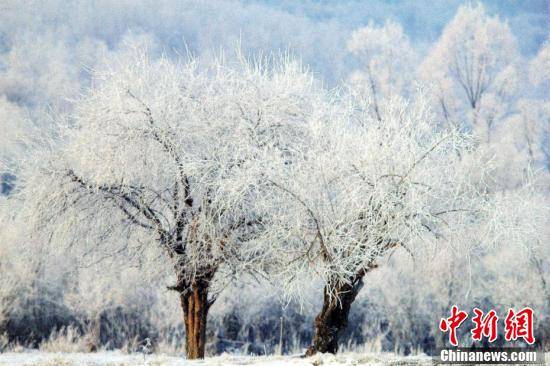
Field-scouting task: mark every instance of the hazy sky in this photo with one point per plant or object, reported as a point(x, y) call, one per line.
point(316, 31)
point(423, 20)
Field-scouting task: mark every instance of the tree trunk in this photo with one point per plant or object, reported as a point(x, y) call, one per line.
point(333, 318)
point(195, 306)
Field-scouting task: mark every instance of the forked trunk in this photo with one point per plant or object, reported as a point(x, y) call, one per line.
point(195, 310)
point(333, 318)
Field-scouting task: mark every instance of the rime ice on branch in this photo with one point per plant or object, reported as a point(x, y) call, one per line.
point(166, 155)
point(363, 187)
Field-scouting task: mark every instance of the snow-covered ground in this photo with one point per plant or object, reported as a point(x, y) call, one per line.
point(120, 359)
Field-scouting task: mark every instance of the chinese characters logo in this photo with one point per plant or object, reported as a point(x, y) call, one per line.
point(516, 325)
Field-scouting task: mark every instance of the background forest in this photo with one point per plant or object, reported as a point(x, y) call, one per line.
point(482, 68)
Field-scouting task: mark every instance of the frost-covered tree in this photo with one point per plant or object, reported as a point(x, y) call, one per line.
point(386, 63)
point(536, 112)
point(401, 299)
point(473, 69)
point(520, 140)
point(539, 66)
point(523, 138)
point(14, 127)
point(163, 154)
point(361, 188)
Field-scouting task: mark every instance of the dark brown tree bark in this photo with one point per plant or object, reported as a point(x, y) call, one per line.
point(194, 304)
point(333, 318)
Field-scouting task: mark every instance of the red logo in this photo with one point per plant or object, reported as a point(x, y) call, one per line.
point(452, 323)
point(520, 325)
point(486, 326)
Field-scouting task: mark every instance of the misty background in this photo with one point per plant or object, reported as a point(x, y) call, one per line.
point(71, 36)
